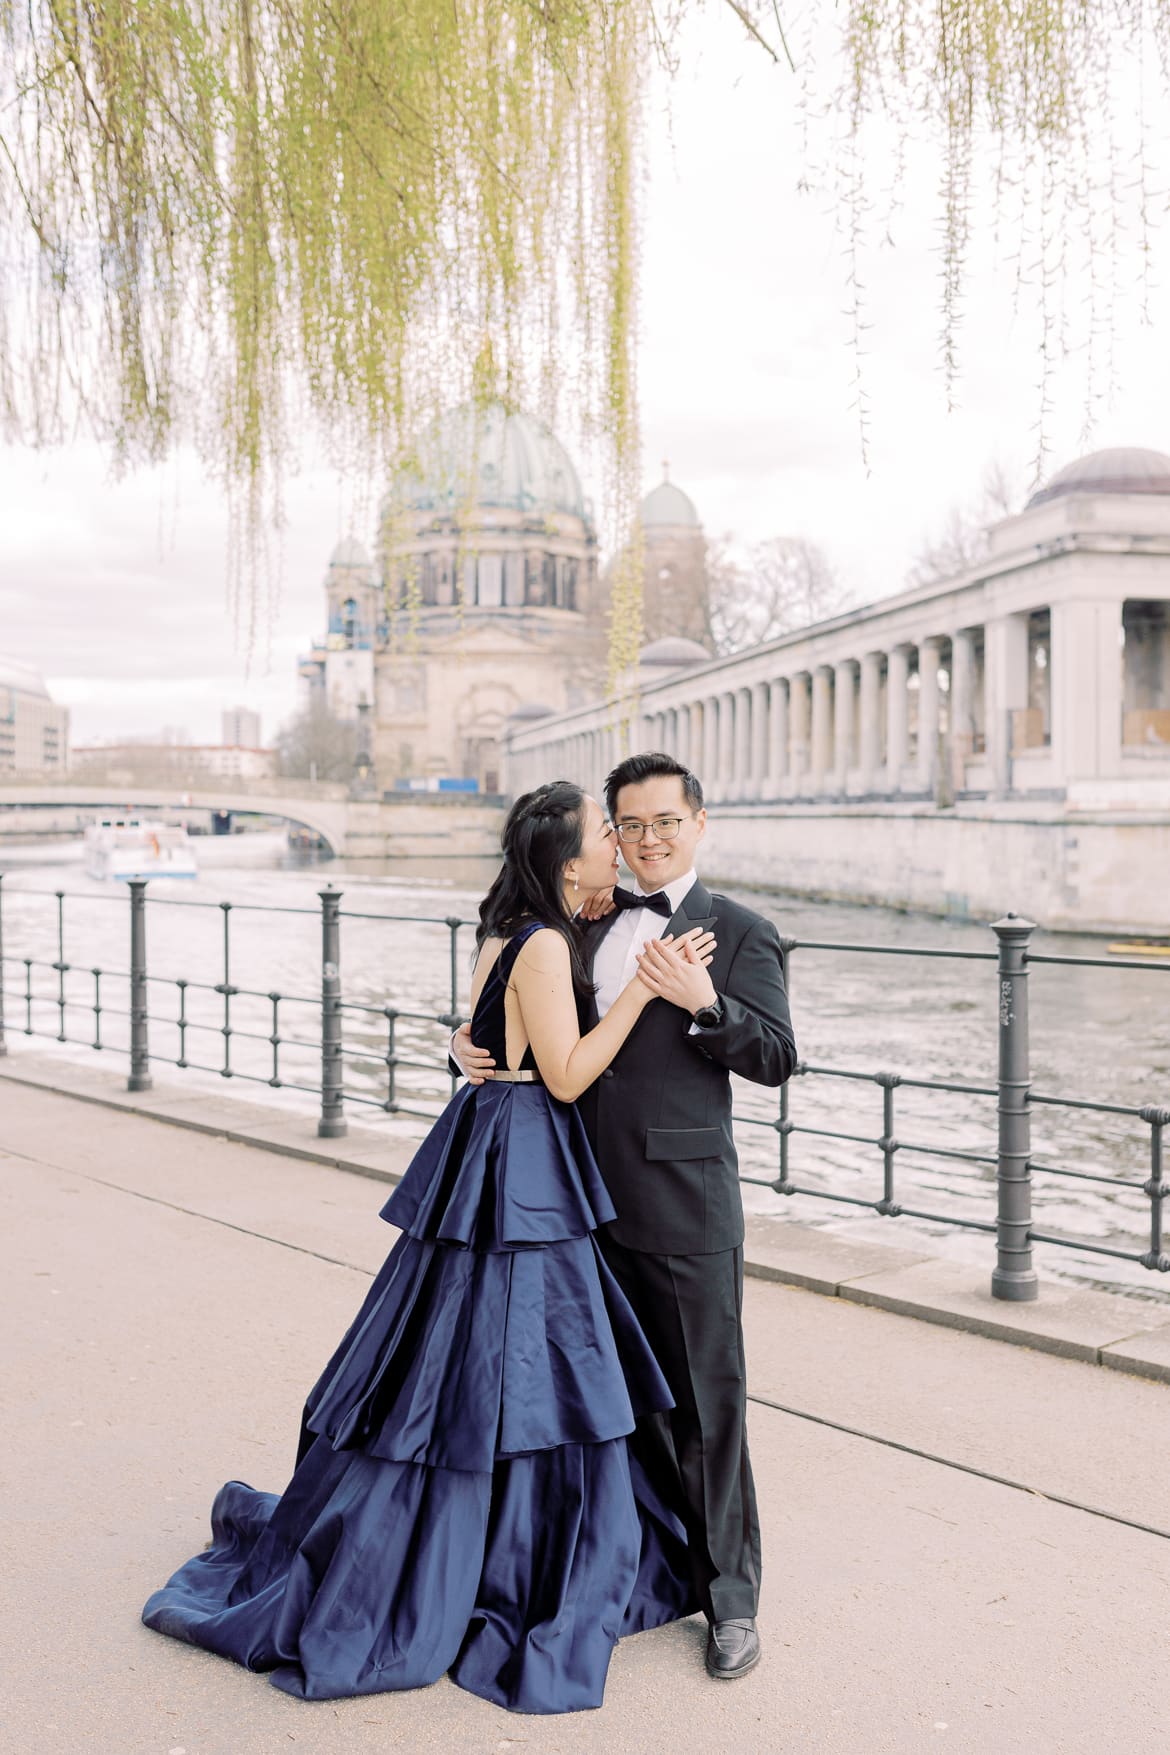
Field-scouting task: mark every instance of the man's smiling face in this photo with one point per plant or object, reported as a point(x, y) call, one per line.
point(654, 860)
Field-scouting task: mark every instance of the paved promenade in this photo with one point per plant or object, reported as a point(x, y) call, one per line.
point(168, 1296)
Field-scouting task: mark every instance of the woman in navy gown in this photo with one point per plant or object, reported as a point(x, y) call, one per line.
point(464, 1500)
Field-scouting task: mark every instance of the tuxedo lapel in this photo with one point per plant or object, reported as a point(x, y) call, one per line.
point(595, 934)
point(694, 910)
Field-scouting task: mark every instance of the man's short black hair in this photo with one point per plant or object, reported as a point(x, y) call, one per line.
point(651, 765)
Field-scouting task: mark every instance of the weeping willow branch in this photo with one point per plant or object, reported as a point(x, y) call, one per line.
point(228, 220)
point(232, 218)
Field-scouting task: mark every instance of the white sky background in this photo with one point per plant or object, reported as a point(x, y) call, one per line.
point(116, 590)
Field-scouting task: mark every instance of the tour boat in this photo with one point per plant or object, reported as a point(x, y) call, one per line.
point(125, 848)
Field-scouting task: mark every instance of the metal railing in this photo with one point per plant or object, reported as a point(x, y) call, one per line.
point(327, 1009)
point(1014, 1277)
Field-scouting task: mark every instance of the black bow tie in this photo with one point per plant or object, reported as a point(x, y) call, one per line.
point(658, 903)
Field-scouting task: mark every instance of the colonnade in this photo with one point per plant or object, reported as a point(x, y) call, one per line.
point(984, 698)
point(851, 727)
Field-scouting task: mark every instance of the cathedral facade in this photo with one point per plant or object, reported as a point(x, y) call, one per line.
point(483, 603)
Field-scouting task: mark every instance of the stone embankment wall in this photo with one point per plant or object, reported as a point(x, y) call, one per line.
point(427, 826)
point(1092, 873)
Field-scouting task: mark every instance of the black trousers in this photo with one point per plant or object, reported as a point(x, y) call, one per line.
point(690, 1307)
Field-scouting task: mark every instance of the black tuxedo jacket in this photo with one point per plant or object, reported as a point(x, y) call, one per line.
point(659, 1118)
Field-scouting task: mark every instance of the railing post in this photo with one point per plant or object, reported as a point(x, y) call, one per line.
point(3, 1045)
point(332, 1124)
point(451, 1017)
point(1014, 1277)
point(140, 1079)
point(1156, 1188)
point(783, 1123)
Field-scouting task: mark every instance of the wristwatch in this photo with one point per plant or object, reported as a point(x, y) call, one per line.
point(708, 1016)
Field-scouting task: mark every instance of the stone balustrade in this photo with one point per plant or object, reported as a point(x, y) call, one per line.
point(1044, 671)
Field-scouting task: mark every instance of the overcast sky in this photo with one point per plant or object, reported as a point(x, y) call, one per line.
point(116, 589)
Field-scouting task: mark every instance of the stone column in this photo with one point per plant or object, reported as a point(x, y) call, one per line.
point(1005, 668)
point(800, 719)
point(822, 727)
point(725, 761)
point(777, 771)
point(897, 676)
point(693, 723)
point(757, 788)
point(928, 715)
point(1086, 680)
point(741, 785)
point(843, 675)
point(710, 774)
point(961, 710)
point(869, 753)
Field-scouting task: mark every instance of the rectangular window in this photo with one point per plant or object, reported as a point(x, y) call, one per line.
point(513, 581)
point(491, 581)
point(1145, 674)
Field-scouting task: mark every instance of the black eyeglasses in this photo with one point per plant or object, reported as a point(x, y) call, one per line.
point(665, 828)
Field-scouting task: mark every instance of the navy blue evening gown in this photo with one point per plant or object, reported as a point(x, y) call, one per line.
point(464, 1499)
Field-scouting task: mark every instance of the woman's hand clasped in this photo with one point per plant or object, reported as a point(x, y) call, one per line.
point(676, 969)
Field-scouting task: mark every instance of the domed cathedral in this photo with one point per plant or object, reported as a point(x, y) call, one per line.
point(483, 601)
point(675, 587)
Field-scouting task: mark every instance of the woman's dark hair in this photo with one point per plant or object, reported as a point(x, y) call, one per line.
point(542, 833)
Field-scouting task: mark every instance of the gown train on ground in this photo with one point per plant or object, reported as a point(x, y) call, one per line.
point(464, 1499)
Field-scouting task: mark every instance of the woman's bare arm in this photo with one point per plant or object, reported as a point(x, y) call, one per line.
point(543, 981)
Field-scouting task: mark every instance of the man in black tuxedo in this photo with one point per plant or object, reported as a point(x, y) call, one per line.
point(659, 1121)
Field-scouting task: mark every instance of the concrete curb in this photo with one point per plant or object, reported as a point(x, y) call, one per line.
point(1099, 1328)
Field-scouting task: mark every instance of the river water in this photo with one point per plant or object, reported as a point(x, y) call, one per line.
point(1095, 1033)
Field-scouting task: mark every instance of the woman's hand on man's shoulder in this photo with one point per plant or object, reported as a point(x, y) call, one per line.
point(597, 904)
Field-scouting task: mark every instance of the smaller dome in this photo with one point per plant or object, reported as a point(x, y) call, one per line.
point(674, 652)
point(667, 505)
point(1126, 469)
point(349, 553)
point(531, 710)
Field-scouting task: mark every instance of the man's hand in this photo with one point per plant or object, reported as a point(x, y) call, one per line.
point(597, 905)
point(676, 970)
point(477, 1063)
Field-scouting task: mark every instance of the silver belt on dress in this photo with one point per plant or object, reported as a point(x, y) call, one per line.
point(517, 1078)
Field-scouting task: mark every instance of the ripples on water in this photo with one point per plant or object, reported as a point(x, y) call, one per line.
point(1095, 1033)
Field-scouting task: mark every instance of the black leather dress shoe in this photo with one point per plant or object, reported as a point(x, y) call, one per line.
point(733, 1648)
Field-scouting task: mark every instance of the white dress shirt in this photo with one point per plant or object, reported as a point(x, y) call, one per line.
point(616, 961)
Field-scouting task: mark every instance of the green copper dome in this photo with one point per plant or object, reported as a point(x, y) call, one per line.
point(489, 457)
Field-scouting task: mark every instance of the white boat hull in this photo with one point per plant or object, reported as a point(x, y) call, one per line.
point(129, 851)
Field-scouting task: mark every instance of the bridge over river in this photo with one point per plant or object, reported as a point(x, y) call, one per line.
point(398, 825)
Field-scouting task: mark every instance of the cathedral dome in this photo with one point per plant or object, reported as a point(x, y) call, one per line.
point(667, 506)
point(490, 457)
point(1122, 470)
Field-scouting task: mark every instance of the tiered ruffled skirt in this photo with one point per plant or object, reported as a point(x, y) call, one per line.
point(464, 1499)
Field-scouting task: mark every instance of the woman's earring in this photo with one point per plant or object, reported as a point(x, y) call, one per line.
point(576, 883)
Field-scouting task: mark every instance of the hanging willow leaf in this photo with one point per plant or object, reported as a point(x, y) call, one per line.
point(227, 221)
point(227, 218)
